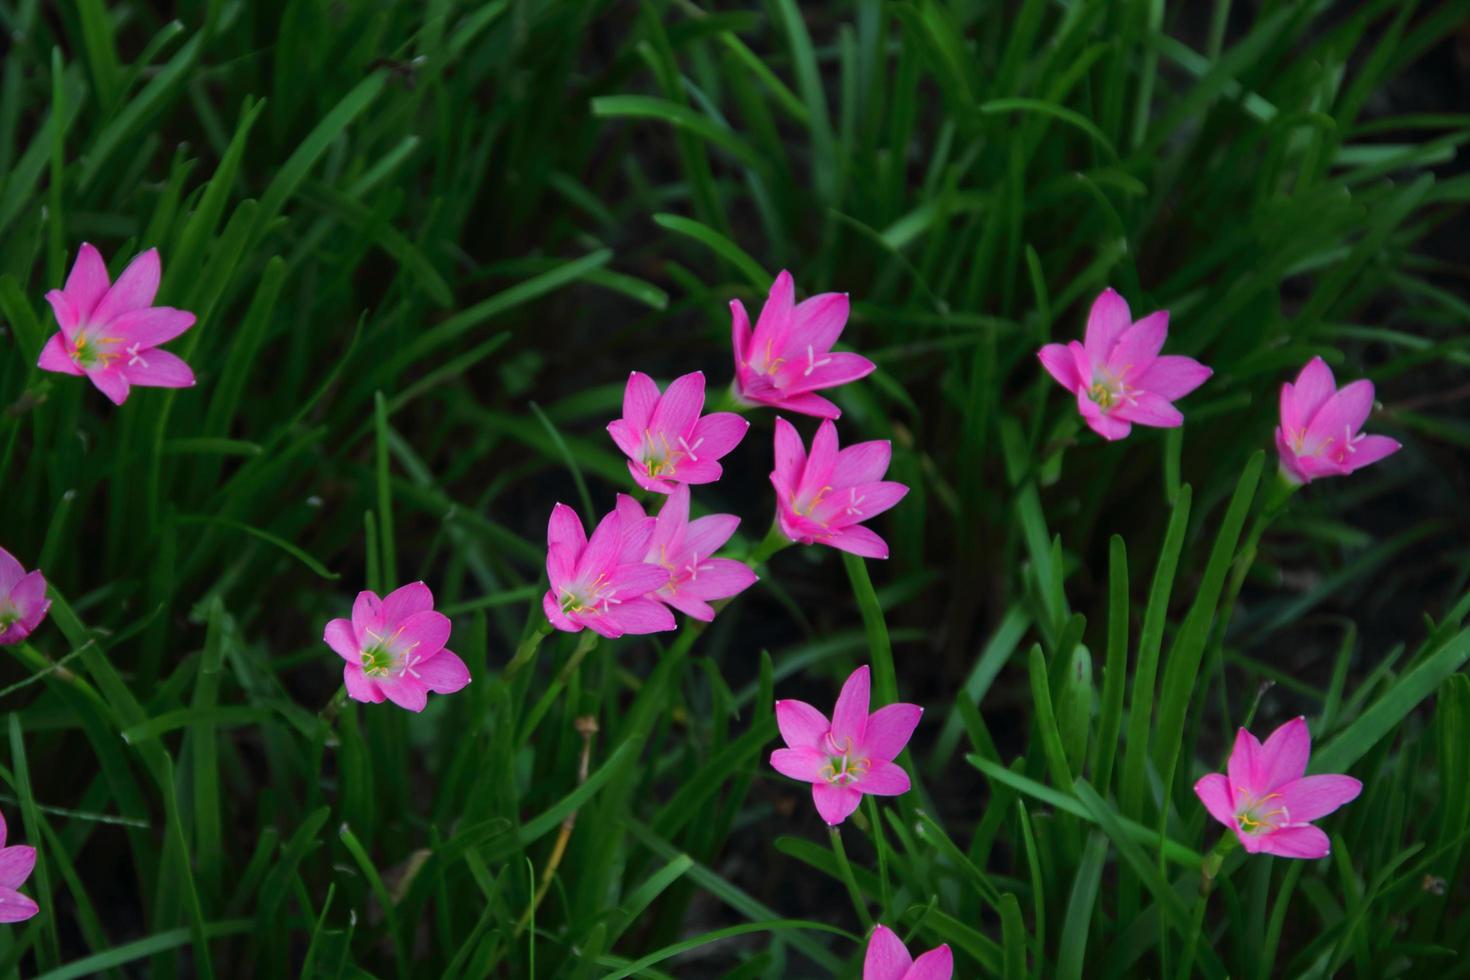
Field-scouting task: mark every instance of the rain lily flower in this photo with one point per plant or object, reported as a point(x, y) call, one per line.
point(23, 601)
point(16, 863)
point(603, 583)
point(394, 648)
point(1117, 374)
point(684, 548)
point(665, 438)
point(1318, 435)
point(888, 959)
point(111, 333)
point(848, 756)
point(1266, 798)
point(824, 498)
point(789, 356)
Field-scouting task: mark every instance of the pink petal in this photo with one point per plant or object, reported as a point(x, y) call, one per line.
point(820, 462)
point(718, 433)
point(850, 716)
point(863, 462)
point(1291, 419)
point(1314, 385)
point(790, 454)
point(425, 632)
point(602, 549)
point(635, 580)
point(1312, 796)
point(158, 369)
point(1244, 767)
point(1329, 430)
point(87, 282)
point(638, 529)
point(1304, 841)
point(339, 636)
point(1283, 758)
point(565, 528)
point(1104, 424)
point(886, 959)
point(937, 964)
point(835, 803)
point(1058, 361)
point(774, 324)
point(639, 399)
point(1082, 364)
point(639, 472)
point(67, 317)
point(804, 764)
point(672, 522)
point(11, 572)
point(739, 330)
point(679, 407)
point(849, 505)
point(359, 687)
point(687, 604)
point(551, 605)
point(629, 442)
point(406, 692)
point(404, 601)
point(16, 864)
point(639, 616)
point(1173, 376)
point(561, 565)
point(112, 383)
point(29, 596)
point(1139, 345)
point(805, 404)
point(56, 357)
point(802, 726)
point(1214, 792)
point(151, 327)
point(367, 614)
point(4, 830)
point(858, 540)
point(134, 289)
point(1289, 463)
point(1370, 449)
point(704, 470)
point(443, 673)
point(719, 578)
point(15, 907)
point(818, 322)
point(885, 779)
point(805, 374)
point(1150, 409)
point(889, 730)
point(597, 623)
point(708, 534)
point(1357, 402)
point(1106, 321)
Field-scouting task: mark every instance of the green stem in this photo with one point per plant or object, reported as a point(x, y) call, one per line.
point(775, 541)
point(729, 401)
point(885, 679)
point(881, 844)
point(584, 646)
point(1209, 869)
point(845, 869)
point(526, 652)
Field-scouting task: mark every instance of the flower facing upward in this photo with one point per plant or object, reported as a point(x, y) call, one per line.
point(685, 549)
point(602, 583)
point(823, 498)
point(23, 601)
point(111, 333)
point(666, 440)
point(1318, 435)
point(789, 356)
point(16, 863)
point(1117, 373)
point(848, 756)
point(394, 648)
point(888, 959)
point(1266, 798)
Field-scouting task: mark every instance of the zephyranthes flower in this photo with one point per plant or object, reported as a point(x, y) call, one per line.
point(394, 648)
point(686, 550)
point(824, 498)
point(1318, 435)
point(602, 583)
point(23, 601)
point(665, 438)
point(16, 864)
point(888, 959)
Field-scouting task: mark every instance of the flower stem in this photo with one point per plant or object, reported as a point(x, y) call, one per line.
point(1209, 869)
point(526, 652)
point(881, 844)
point(845, 870)
point(584, 646)
point(775, 541)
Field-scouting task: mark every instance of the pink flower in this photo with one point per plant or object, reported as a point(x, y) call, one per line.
point(23, 601)
point(394, 648)
point(111, 333)
point(664, 437)
point(850, 755)
point(1318, 435)
point(684, 548)
point(16, 863)
point(824, 498)
point(1117, 373)
point(789, 357)
point(603, 584)
point(888, 959)
point(1266, 798)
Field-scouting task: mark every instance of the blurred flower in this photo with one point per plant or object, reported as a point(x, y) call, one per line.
point(1117, 374)
point(16, 864)
point(824, 498)
point(789, 357)
point(664, 437)
point(111, 333)
point(684, 548)
point(850, 755)
point(23, 601)
point(1318, 435)
point(1266, 798)
point(603, 584)
point(888, 959)
point(394, 648)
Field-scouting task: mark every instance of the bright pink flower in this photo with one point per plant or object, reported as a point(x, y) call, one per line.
point(394, 648)
point(824, 498)
point(1266, 798)
point(888, 959)
point(1117, 374)
point(684, 548)
point(665, 438)
point(16, 863)
point(789, 357)
point(603, 584)
point(111, 333)
point(23, 601)
point(848, 756)
point(1318, 435)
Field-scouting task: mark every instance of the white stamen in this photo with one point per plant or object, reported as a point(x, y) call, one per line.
point(812, 363)
point(134, 357)
point(852, 502)
point(689, 450)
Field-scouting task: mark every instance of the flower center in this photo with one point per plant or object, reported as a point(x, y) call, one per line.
point(805, 508)
point(89, 353)
point(385, 655)
point(661, 459)
point(588, 598)
point(9, 616)
point(1256, 816)
point(843, 766)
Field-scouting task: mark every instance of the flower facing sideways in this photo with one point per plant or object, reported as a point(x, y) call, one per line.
point(1266, 797)
point(665, 438)
point(1318, 435)
point(111, 332)
point(685, 549)
point(824, 497)
point(23, 601)
point(394, 648)
point(888, 959)
point(16, 864)
point(603, 583)
point(848, 756)
point(1117, 373)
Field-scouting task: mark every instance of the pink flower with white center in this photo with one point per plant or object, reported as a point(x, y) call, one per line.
point(16, 864)
point(666, 440)
point(603, 584)
point(1318, 435)
point(394, 648)
point(789, 356)
point(111, 333)
point(850, 755)
point(1266, 797)
point(888, 959)
point(824, 498)
point(23, 601)
point(1117, 373)
point(686, 550)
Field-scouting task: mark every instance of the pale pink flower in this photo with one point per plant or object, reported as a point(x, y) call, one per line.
point(848, 756)
point(16, 864)
point(888, 959)
point(1117, 373)
point(1318, 435)
point(665, 438)
point(685, 549)
point(789, 356)
point(394, 648)
point(824, 498)
point(23, 601)
point(603, 583)
point(1266, 797)
point(111, 333)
